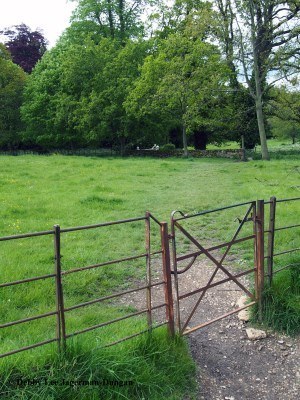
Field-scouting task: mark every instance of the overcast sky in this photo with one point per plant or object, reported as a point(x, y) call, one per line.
point(51, 16)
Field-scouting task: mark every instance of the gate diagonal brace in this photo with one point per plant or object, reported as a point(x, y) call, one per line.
point(214, 260)
point(218, 264)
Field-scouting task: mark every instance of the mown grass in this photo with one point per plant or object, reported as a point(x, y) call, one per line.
point(40, 191)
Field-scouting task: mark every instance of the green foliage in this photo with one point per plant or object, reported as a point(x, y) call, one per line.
point(167, 146)
point(154, 367)
point(75, 95)
point(115, 19)
point(12, 80)
point(281, 307)
point(4, 53)
point(285, 108)
point(104, 85)
point(285, 129)
point(179, 86)
point(196, 16)
point(241, 117)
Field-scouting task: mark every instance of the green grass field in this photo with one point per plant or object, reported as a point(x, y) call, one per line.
point(40, 191)
point(274, 144)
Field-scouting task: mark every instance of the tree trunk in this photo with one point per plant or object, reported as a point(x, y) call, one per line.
point(259, 103)
point(261, 129)
point(111, 19)
point(184, 140)
point(122, 21)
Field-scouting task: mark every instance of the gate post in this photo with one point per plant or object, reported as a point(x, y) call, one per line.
point(271, 234)
point(148, 268)
point(167, 277)
point(260, 256)
point(60, 324)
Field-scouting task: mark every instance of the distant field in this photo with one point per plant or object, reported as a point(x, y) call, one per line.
point(40, 191)
point(273, 144)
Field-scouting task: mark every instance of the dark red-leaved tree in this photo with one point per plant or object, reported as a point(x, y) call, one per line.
point(25, 46)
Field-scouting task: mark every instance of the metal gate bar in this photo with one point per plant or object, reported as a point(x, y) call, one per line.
point(207, 252)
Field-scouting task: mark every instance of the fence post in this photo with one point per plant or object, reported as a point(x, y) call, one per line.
point(148, 267)
point(60, 326)
point(259, 277)
point(271, 235)
point(167, 277)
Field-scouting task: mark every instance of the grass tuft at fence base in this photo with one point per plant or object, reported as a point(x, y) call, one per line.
point(150, 367)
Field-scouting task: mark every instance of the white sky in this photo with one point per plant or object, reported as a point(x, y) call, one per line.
point(51, 16)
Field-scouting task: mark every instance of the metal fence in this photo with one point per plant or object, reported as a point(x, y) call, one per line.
point(272, 230)
point(61, 311)
point(257, 213)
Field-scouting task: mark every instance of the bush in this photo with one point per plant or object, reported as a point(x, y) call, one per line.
point(168, 147)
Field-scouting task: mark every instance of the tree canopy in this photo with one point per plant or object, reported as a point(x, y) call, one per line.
point(181, 83)
point(194, 72)
point(75, 95)
point(12, 80)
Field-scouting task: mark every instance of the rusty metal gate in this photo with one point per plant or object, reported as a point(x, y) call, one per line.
point(253, 214)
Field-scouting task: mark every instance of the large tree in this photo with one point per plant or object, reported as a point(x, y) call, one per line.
point(75, 95)
point(181, 83)
point(25, 46)
point(267, 37)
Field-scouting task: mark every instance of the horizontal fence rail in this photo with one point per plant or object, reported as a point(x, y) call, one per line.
point(61, 311)
point(271, 248)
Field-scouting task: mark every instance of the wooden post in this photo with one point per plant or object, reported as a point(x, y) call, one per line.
point(260, 256)
point(60, 326)
point(167, 277)
point(148, 268)
point(271, 235)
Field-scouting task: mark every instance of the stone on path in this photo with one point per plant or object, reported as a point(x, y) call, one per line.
point(244, 315)
point(255, 334)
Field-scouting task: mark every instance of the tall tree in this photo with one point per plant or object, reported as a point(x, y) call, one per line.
point(75, 95)
point(269, 51)
point(181, 82)
point(25, 46)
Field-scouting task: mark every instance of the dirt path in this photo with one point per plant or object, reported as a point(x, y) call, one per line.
point(229, 365)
